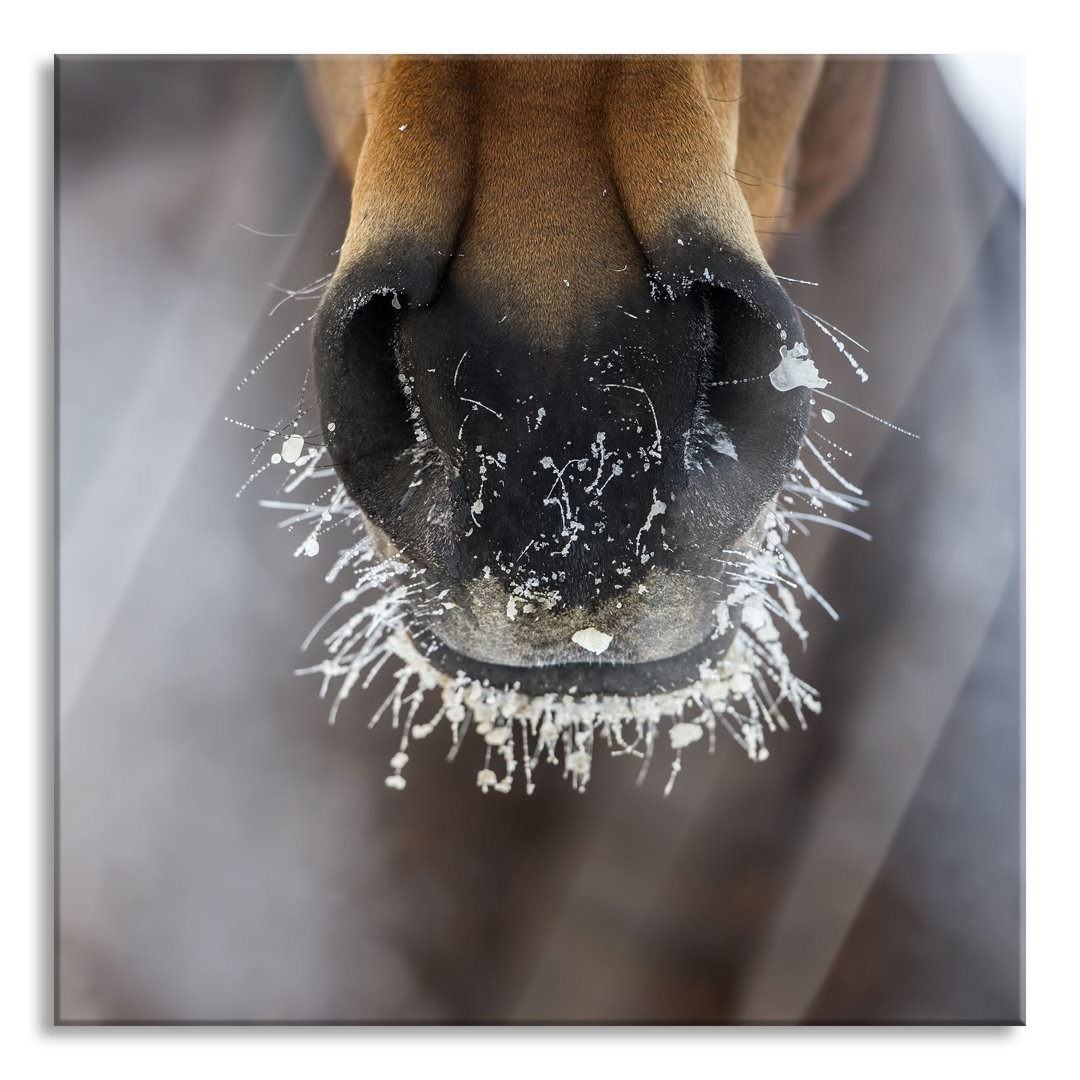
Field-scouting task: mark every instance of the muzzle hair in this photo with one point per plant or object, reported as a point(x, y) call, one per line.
point(750, 690)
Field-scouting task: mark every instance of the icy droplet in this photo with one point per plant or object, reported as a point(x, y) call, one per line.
point(596, 641)
point(683, 734)
point(796, 369)
point(292, 448)
point(578, 762)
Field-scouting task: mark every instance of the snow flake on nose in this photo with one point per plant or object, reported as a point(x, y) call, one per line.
point(796, 369)
point(658, 507)
point(596, 641)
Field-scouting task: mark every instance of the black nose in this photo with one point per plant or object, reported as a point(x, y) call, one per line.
point(650, 436)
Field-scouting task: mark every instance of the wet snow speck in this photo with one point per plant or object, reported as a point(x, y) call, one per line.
point(292, 448)
point(684, 733)
point(796, 369)
point(596, 641)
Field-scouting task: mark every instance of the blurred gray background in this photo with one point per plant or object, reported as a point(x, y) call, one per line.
point(224, 854)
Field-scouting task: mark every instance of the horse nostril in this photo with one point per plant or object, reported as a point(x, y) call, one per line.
point(747, 431)
point(356, 377)
point(654, 439)
point(372, 425)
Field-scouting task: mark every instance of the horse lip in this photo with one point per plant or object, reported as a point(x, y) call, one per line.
point(581, 678)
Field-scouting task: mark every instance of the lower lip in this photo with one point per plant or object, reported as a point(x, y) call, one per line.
point(583, 678)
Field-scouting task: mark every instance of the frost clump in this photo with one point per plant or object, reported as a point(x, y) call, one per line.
point(596, 641)
point(796, 369)
point(292, 448)
point(684, 733)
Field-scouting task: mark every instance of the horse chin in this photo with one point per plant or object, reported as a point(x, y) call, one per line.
point(652, 638)
point(625, 679)
point(678, 655)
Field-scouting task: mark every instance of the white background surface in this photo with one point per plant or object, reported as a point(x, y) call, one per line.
point(989, 88)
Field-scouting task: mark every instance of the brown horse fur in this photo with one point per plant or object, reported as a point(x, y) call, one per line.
point(791, 133)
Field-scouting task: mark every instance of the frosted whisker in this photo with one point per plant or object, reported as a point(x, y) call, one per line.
point(823, 520)
point(825, 329)
point(872, 416)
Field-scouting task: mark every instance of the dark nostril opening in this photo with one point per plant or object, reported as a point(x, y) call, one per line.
point(357, 374)
point(746, 432)
point(357, 381)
